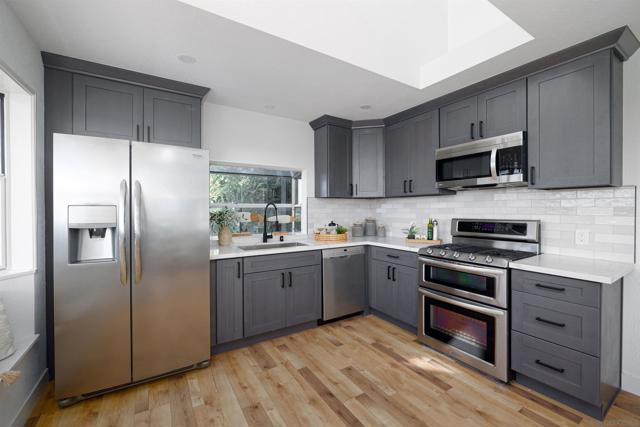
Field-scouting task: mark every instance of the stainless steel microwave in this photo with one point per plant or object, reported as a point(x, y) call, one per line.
point(499, 161)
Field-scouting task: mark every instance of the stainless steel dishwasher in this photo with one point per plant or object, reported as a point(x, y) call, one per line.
point(343, 282)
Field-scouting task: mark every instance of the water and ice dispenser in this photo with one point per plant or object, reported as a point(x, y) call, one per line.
point(92, 231)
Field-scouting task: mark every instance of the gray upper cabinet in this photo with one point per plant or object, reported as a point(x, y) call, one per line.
point(332, 157)
point(422, 156)
point(228, 303)
point(458, 122)
point(368, 162)
point(264, 302)
point(107, 108)
point(171, 118)
point(575, 124)
point(410, 150)
point(304, 295)
point(397, 158)
point(495, 112)
point(503, 110)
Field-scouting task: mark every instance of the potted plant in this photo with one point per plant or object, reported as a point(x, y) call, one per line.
point(412, 231)
point(223, 219)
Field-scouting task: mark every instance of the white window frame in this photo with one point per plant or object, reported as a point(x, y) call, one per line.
point(297, 203)
point(3, 185)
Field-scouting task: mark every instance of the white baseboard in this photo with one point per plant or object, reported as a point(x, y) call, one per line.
point(28, 405)
point(631, 383)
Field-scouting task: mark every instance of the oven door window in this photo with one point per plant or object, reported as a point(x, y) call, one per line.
point(475, 283)
point(464, 167)
point(467, 330)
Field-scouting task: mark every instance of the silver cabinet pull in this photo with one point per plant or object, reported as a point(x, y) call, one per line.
point(122, 248)
point(136, 232)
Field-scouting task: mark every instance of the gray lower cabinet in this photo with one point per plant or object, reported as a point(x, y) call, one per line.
point(410, 149)
point(107, 108)
point(575, 124)
point(566, 338)
point(381, 290)
point(393, 291)
point(264, 302)
point(304, 295)
point(332, 158)
point(406, 282)
point(368, 162)
point(228, 303)
point(171, 118)
point(281, 298)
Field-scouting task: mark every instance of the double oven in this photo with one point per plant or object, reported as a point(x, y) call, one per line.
point(464, 298)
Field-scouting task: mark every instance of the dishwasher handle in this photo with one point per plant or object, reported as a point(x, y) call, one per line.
point(342, 252)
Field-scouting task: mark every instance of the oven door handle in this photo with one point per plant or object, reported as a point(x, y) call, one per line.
point(464, 268)
point(459, 303)
point(494, 162)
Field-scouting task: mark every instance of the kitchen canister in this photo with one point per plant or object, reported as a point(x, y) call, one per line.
point(382, 232)
point(357, 229)
point(6, 337)
point(370, 226)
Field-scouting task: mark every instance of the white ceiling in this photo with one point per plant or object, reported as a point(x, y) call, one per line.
point(251, 69)
point(416, 42)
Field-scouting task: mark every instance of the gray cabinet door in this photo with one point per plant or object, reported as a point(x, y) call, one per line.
point(382, 292)
point(107, 108)
point(264, 302)
point(171, 118)
point(368, 162)
point(332, 160)
point(569, 135)
point(422, 157)
point(405, 281)
point(458, 122)
point(397, 152)
point(229, 315)
point(304, 295)
point(503, 110)
point(340, 148)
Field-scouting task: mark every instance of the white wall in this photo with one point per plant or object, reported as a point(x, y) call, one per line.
point(20, 57)
point(244, 137)
point(631, 150)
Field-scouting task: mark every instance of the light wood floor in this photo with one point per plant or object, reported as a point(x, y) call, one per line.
point(361, 371)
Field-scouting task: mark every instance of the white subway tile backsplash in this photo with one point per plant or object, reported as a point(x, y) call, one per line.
point(607, 214)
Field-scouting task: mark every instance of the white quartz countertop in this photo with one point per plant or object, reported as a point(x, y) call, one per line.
point(234, 251)
point(592, 270)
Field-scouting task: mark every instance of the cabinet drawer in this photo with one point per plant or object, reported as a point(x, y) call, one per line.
point(571, 325)
point(567, 370)
point(395, 256)
point(556, 287)
point(281, 261)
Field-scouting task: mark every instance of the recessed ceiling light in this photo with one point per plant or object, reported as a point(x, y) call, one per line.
point(365, 107)
point(187, 59)
point(269, 107)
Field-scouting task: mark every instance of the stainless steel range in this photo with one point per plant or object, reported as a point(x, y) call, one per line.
point(464, 290)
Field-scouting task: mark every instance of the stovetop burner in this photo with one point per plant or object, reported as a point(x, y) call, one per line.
point(477, 246)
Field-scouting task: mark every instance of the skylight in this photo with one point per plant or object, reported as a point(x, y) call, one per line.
point(416, 42)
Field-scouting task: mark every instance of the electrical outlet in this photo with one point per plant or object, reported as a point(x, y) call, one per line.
point(582, 237)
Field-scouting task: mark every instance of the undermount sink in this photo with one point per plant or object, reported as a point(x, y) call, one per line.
point(271, 246)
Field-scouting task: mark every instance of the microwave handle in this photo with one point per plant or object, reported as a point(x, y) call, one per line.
point(493, 164)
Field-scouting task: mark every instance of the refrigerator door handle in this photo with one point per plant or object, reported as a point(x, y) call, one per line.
point(136, 232)
point(122, 232)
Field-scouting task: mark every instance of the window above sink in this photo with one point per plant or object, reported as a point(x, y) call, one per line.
point(247, 189)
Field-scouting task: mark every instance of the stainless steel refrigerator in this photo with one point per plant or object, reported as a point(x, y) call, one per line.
point(131, 262)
